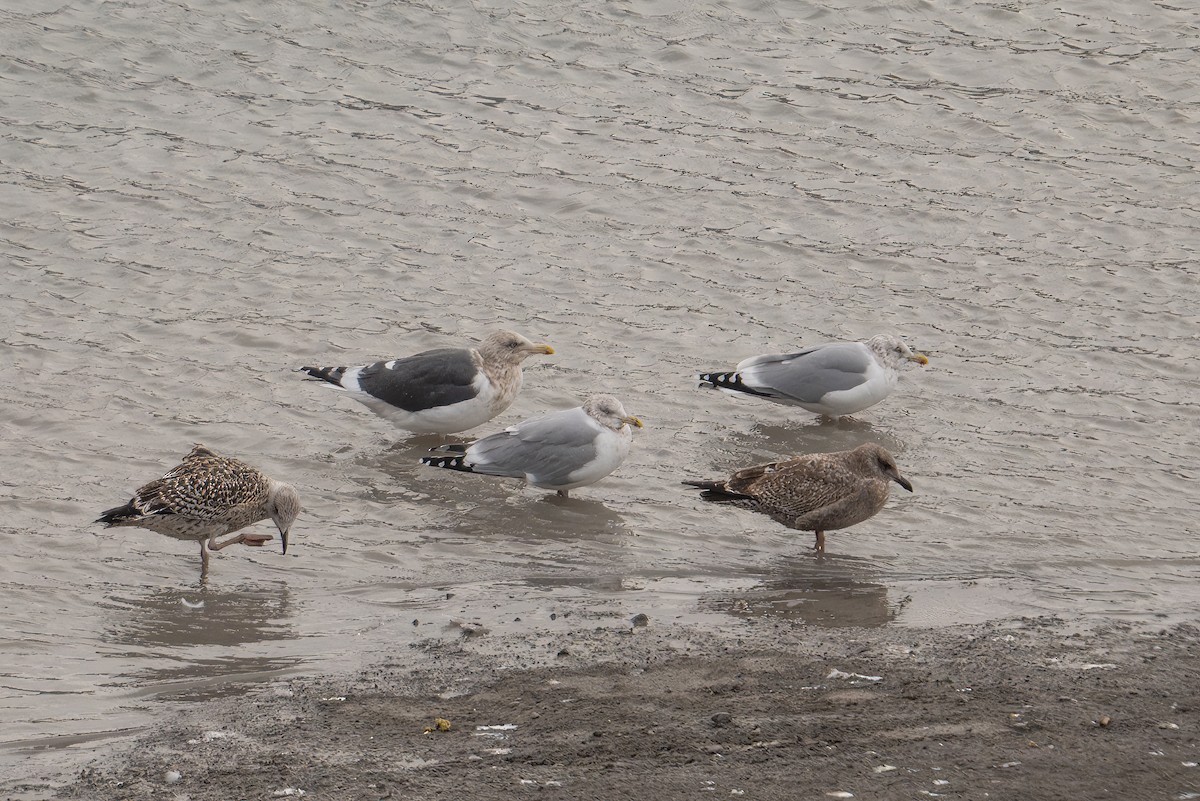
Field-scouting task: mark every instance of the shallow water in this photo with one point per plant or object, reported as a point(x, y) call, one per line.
point(201, 196)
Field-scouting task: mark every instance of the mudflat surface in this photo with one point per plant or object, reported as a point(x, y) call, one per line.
point(1031, 709)
point(200, 196)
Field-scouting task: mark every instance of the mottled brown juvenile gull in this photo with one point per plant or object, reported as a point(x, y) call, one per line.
point(833, 380)
point(819, 492)
point(441, 391)
point(559, 451)
point(208, 496)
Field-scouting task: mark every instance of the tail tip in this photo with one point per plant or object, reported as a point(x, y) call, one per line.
point(448, 462)
point(716, 380)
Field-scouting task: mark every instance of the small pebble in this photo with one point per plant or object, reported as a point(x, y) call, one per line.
point(722, 719)
point(640, 620)
point(173, 777)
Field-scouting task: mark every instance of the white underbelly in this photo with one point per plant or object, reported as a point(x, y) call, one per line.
point(611, 450)
point(879, 385)
point(449, 419)
point(438, 420)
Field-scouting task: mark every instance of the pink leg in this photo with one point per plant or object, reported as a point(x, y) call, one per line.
point(213, 545)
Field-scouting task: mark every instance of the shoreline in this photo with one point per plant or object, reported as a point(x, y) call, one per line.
point(1033, 708)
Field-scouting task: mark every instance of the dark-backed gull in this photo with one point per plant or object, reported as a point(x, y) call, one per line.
point(441, 391)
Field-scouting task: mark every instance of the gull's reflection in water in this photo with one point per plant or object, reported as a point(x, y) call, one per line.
point(524, 515)
point(837, 592)
point(194, 640)
point(399, 462)
point(477, 505)
point(824, 435)
point(765, 442)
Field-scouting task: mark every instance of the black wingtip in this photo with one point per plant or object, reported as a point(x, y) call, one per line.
point(447, 462)
point(110, 517)
point(331, 374)
point(716, 491)
point(728, 380)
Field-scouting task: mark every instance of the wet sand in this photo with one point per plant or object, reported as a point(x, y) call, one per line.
point(1030, 709)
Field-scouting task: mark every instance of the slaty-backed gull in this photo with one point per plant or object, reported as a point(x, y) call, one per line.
point(441, 391)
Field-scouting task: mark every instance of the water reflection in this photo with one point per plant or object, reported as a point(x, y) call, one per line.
point(194, 636)
point(478, 506)
point(765, 442)
point(836, 592)
point(400, 462)
point(824, 435)
point(541, 517)
point(610, 583)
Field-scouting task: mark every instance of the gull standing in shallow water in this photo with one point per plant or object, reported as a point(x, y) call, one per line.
point(833, 380)
point(208, 496)
point(441, 391)
point(560, 451)
point(819, 492)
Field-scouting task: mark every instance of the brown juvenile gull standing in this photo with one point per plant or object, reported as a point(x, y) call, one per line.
point(833, 380)
point(559, 451)
point(441, 391)
point(819, 492)
point(208, 496)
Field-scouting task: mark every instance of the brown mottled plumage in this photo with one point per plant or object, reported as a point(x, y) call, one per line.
point(819, 492)
point(208, 496)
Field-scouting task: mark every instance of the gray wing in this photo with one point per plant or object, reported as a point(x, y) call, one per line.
point(425, 381)
point(809, 375)
point(546, 449)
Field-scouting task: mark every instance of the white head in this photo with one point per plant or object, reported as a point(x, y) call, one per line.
point(609, 412)
point(508, 347)
point(283, 505)
point(893, 352)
